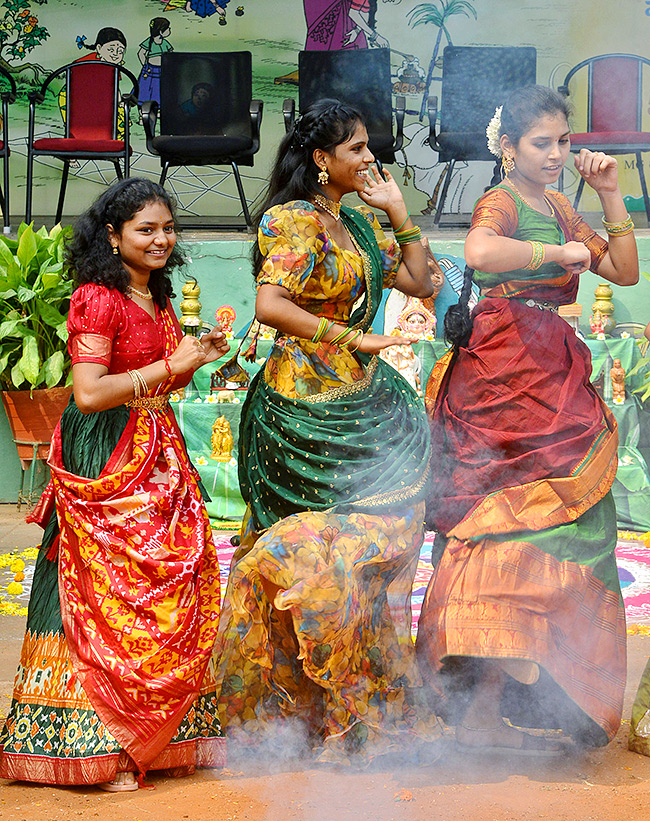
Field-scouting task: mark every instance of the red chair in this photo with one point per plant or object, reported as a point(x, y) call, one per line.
point(93, 103)
point(614, 111)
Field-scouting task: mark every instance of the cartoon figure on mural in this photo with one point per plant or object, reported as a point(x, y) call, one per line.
point(203, 8)
point(150, 55)
point(338, 24)
point(109, 47)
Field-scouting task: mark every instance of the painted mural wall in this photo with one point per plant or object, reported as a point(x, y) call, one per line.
point(37, 36)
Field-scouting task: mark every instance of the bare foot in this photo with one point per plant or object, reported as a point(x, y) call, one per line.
point(123, 782)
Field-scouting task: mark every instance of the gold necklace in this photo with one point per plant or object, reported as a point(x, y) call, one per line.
point(333, 208)
point(523, 199)
point(131, 290)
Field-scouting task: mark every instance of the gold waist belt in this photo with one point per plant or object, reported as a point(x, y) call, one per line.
point(160, 402)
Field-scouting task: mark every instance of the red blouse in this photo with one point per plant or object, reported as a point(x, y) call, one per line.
point(108, 328)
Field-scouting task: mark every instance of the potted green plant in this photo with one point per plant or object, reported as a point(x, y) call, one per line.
point(35, 373)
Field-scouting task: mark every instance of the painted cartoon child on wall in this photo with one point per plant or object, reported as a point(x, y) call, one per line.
point(109, 47)
point(150, 55)
point(206, 8)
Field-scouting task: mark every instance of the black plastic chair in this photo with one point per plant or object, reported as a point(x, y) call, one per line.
point(7, 97)
point(615, 103)
point(207, 115)
point(361, 78)
point(93, 103)
point(475, 81)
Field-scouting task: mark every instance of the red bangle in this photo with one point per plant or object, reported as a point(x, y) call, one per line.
point(167, 366)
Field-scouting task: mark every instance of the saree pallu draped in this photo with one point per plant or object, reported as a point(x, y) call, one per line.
point(315, 627)
point(115, 673)
point(523, 458)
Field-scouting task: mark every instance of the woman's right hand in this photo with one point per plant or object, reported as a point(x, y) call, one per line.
point(188, 356)
point(374, 343)
point(574, 257)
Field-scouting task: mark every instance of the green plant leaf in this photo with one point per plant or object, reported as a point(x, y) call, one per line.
point(8, 264)
point(16, 327)
point(49, 279)
point(27, 247)
point(30, 361)
point(53, 369)
point(12, 244)
point(42, 232)
point(56, 231)
point(17, 376)
point(48, 313)
point(62, 331)
point(25, 294)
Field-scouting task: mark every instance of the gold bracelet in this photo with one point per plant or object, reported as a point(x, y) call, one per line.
point(537, 258)
point(137, 393)
point(347, 342)
point(339, 337)
point(360, 338)
point(143, 383)
point(618, 229)
point(323, 327)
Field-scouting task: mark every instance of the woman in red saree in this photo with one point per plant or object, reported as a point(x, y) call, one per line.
point(114, 675)
point(523, 618)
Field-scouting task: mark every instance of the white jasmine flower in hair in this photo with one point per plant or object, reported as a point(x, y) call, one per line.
point(493, 133)
point(625, 335)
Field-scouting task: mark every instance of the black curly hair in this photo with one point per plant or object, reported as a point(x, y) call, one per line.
point(325, 124)
point(89, 255)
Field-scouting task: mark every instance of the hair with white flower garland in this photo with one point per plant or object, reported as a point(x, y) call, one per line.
point(493, 133)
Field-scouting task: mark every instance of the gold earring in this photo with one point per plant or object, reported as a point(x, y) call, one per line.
point(507, 165)
point(116, 250)
point(323, 177)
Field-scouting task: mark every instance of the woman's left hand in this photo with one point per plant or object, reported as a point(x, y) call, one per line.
point(215, 344)
point(380, 193)
point(598, 170)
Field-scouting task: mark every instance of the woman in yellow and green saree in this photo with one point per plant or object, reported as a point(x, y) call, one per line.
point(333, 464)
point(114, 676)
point(523, 618)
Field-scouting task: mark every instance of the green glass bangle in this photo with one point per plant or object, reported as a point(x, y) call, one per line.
point(408, 216)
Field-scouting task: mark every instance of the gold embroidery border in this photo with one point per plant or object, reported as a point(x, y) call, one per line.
point(396, 495)
point(342, 391)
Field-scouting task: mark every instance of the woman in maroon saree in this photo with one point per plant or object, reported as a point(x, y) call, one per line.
point(523, 618)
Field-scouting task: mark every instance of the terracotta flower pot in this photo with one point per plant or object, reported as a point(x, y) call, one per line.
point(33, 417)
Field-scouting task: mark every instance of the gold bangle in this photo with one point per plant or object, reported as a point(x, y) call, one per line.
point(347, 342)
point(339, 337)
point(360, 340)
point(617, 226)
point(136, 385)
point(323, 327)
point(537, 258)
point(142, 383)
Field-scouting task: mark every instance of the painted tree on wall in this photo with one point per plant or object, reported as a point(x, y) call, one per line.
point(20, 31)
point(437, 13)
